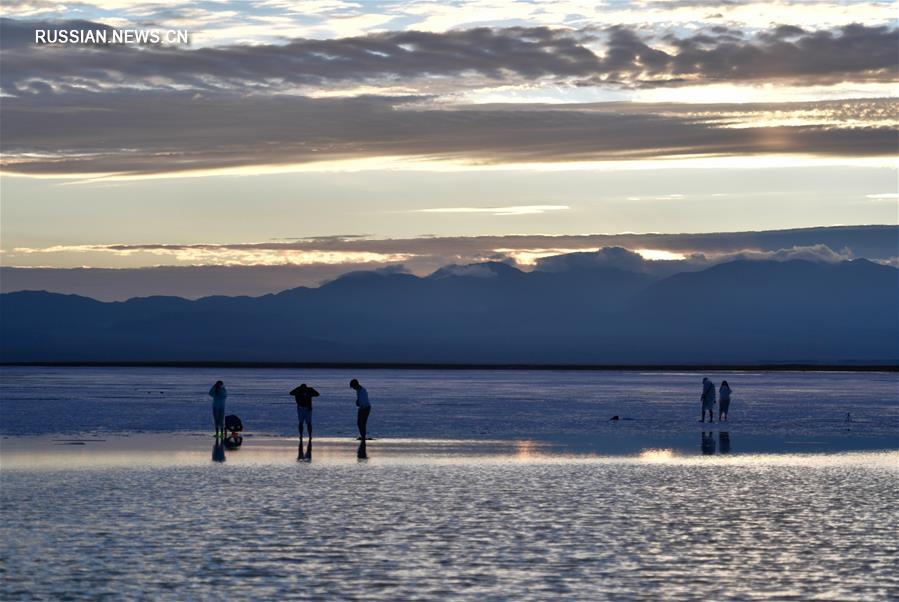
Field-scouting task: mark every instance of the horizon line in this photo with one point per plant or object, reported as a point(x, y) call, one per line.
point(886, 366)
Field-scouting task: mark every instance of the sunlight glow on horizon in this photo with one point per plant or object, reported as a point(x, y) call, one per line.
point(659, 255)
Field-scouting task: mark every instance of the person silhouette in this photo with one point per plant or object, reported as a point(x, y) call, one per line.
point(708, 400)
point(303, 396)
point(723, 401)
point(364, 409)
point(218, 394)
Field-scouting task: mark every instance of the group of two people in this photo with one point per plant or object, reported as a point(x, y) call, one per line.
point(708, 400)
point(303, 396)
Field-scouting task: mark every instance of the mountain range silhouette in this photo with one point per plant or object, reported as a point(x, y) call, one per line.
point(746, 311)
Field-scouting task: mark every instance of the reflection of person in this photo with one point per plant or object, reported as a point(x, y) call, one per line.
point(303, 396)
point(218, 450)
point(723, 400)
point(233, 441)
point(707, 399)
point(724, 442)
point(301, 456)
point(708, 444)
point(364, 410)
point(218, 394)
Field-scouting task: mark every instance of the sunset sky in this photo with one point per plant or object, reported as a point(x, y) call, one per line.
point(328, 135)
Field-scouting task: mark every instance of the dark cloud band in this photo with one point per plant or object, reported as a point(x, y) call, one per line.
point(615, 56)
point(165, 132)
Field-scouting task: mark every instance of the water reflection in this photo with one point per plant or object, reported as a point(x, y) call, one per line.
point(362, 453)
point(218, 450)
point(410, 533)
point(304, 456)
point(657, 455)
point(724, 442)
point(707, 444)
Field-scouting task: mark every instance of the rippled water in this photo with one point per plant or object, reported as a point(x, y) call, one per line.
point(793, 527)
point(518, 492)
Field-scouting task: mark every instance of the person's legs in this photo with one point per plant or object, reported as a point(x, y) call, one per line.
point(303, 418)
point(308, 421)
point(218, 415)
point(362, 421)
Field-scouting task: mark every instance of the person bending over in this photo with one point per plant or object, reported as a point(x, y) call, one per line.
point(303, 396)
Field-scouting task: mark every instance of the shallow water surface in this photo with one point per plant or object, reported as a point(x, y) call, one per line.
point(450, 404)
point(653, 526)
point(479, 485)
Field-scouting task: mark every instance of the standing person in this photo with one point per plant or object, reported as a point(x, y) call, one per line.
point(364, 406)
point(723, 401)
point(303, 396)
point(708, 400)
point(218, 394)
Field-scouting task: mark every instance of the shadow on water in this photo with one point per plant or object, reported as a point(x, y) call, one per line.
point(218, 450)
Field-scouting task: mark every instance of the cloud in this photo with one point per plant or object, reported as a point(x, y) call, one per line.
point(424, 254)
point(606, 257)
point(246, 254)
point(651, 263)
point(819, 252)
point(866, 241)
point(512, 210)
point(164, 132)
point(450, 60)
point(75, 110)
point(457, 256)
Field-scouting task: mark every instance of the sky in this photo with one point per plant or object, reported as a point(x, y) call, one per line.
point(292, 140)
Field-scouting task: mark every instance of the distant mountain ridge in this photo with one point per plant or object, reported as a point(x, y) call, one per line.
point(738, 312)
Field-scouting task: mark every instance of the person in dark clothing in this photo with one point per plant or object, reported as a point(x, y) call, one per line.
point(723, 401)
point(708, 400)
point(303, 396)
point(364, 409)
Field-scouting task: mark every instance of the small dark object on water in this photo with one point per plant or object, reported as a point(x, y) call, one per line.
point(614, 418)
